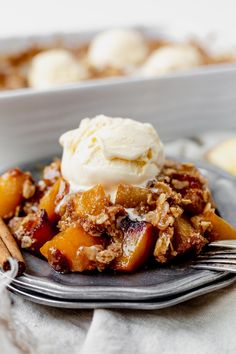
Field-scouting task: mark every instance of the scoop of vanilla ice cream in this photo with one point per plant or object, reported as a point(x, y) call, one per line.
point(118, 48)
point(110, 151)
point(172, 58)
point(55, 67)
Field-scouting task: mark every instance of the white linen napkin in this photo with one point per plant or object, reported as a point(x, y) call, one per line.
point(201, 326)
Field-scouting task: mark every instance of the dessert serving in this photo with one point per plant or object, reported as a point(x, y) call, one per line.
point(116, 52)
point(113, 202)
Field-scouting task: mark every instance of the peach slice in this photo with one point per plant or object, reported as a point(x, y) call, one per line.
point(138, 245)
point(49, 201)
point(91, 202)
point(221, 229)
point(34, 230)
point(131, 196)
point(11, 191)
point(62, 251)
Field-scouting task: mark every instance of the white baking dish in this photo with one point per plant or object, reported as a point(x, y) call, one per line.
point(17, 44)
point(177, 105)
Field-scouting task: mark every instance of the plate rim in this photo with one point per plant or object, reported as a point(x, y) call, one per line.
point(125, 293)
point(131, 305)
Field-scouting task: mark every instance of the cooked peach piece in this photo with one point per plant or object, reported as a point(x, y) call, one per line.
point(131, 196)
point(11, 191)
point(186, 238)
point(68, 243)
point(52, 198)
point(221, 229)
point(138, 245)
point(34, 230)
point(91, 202)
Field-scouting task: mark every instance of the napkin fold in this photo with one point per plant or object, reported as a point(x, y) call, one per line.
point(201, 326)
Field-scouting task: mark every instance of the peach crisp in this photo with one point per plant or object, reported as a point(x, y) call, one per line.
point(112, 203)
point(169, 217)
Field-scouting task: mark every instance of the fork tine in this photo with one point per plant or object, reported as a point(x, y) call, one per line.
point(223, 243)
point(216, 256)
point(215, 267)
point(220, 252)
point(219, 261)
point(220, 256)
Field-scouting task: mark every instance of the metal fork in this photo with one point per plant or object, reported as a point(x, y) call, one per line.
point(220, 256)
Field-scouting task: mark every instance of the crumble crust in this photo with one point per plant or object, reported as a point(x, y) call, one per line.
point(173, 205)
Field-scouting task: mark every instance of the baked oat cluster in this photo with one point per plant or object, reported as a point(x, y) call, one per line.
point(172, 216)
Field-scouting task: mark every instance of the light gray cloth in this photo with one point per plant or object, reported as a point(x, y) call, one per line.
point(203, 325)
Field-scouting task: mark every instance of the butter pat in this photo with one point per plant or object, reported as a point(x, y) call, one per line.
point(109, 151)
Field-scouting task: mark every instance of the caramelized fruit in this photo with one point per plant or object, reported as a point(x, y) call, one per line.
point(11, 191)
point(52, 197)
point(138, 244)
point(68, 243)
point(131, 196)
point(221, 229)
point(91, 202)
point(34, 230)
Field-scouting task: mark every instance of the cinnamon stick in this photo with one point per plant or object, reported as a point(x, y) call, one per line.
point(4, 256)
point(11, 249)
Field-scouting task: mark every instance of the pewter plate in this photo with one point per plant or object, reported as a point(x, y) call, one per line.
point(153, 283)
point(132, 305)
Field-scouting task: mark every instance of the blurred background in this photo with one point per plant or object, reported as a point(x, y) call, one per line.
point(201, 101)
point(31, 16)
